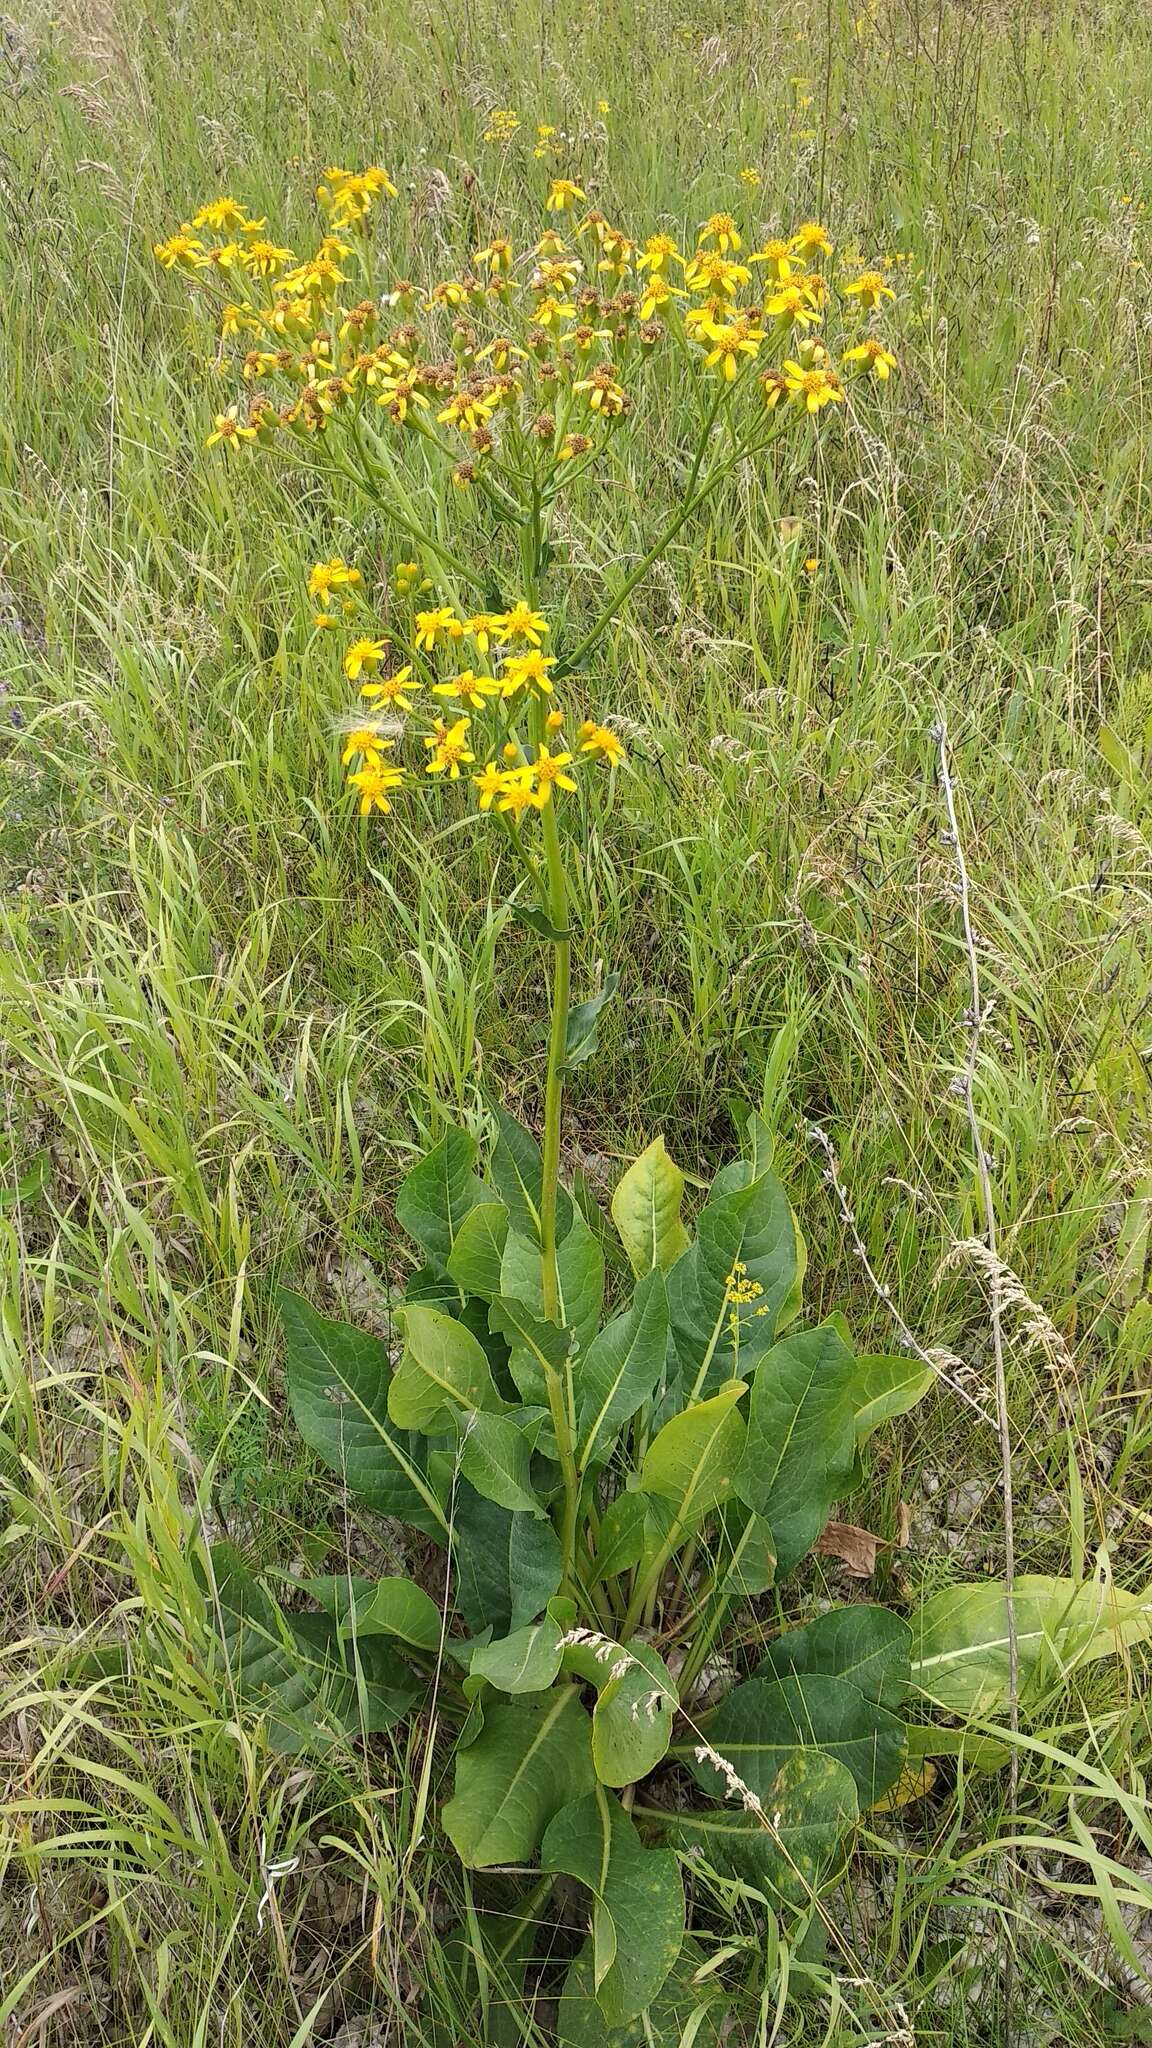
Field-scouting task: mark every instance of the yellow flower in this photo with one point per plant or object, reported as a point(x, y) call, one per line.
point(872, 355)
point(813, 388)
point(181, 251)
point(398, 393)
point(429, 627)
point(729, 344)
point(792, 306)
point(468, 411)
point(519, 792)
point(776, 256)
point(373, 783)
point(548, 774)
point(491, 782)
point(480, 629)
point(750, 177)
point(264, 259)
point(471, 689)
point(709, 271)
point(811, 240)
point(230, 430)
point(657, 292)
point(527, 669)
point(605, 395)
point(554, 721)
point(390, 690)
point(350, 195)
point(721, 229)
point(550, 312)
point(322, 620)
point(333, 575)
point(775, 387)
point(363, 654)
point(497, 254)
point(405, 575)
point(449, 745)
point(602, 107)
point(502, 125)
point(520, 623)
point(224, 257)
point(218, 215)
point(811, 564)
point(365, 740)
point(561, 195)
point(234, 320)
point(659, 252)
point(600, 739)
point(870, 287)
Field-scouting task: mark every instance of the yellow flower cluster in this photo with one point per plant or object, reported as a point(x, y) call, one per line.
point(508, 682)
point(528, 358)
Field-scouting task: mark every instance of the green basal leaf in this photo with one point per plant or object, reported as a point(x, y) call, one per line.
point(496, 1457)
point(338, 1385)
point(579, 1272)
point(506, 1566)
point(960, 1654)
point(636, 1699)
point(868, 1645)
point(518, 1172)
point(638, 1901)
point(744, 1554)
point(526, 1661)
point(693, 1461)
point(294, 1668)
point(537, 1347)
point(621, 1369)
point(443, 1373)
point(438, 1193)
point(382, 1607)
point(685, 2014)
point(748, 1225)
point(811, 1805)
point(763, 1723)
point(886, 1388)
point(477, 1249)
point(632, 1529)
point(530, 1759)
point(646, 1211)
point(583, 1024)
point(801, 1438)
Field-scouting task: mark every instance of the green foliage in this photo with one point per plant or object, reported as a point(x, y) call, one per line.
point(570, 1512)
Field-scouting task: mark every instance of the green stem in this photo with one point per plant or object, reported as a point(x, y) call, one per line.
point(557, 910)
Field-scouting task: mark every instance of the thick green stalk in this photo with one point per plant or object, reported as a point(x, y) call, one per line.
point(557, 903)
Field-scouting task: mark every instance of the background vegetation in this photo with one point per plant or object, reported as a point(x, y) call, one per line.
point(226, 1032)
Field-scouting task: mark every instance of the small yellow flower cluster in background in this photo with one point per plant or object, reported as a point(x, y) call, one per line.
point(740, 1291)
point(508, 678)
point(503, 124)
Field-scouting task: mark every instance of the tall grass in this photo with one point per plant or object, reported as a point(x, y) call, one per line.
point(226, 1031)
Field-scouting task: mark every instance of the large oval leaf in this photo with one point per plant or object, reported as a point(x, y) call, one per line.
point(439, 1191)
point(748, 1226)
point(638, 1900)
point(518, 1172)
point(685, 2011)
point(765, 1722)
point(868, 1645)
point(529, 1759)
point(621, 1369)
point(442, 1375)
point(636, 1699)
point(811, 1804)
point(960, 1653)
point(526, 1661)
point(507, 1566)
point(693, 1461)
point(477, 1249)
point(579, 1274)
point(646, 1211)
point(801, 1438)
point(338, 1385)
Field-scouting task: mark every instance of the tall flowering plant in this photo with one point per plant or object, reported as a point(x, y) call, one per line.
point(615, 1443)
